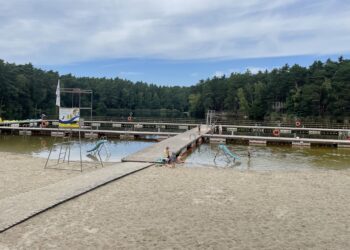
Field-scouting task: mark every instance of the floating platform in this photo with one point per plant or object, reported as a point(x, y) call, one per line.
point(123, 129)
point(301, 144)
point(258, 142)
point(24, 132)
point(261, 140)
point(127, 137)
point(217, 140)
point(61, 131)
point(91, 135)
point(57, 134)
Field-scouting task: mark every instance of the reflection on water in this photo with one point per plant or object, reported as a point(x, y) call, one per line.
point(40, 146)
point(272, 157)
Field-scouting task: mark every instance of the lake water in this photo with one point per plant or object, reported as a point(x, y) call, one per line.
point(272, 157)
point(262, 158)
point(40, 146)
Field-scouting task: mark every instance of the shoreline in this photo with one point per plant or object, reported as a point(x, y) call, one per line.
point(187, 207)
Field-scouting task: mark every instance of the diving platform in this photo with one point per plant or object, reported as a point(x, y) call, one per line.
point(176, 144)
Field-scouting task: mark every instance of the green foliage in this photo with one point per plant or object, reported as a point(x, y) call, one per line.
point(243, 103)
point(258, 109)
point(194, 104)
point(321, 90)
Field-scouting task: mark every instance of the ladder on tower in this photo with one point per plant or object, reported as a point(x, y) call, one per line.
point(65, 148)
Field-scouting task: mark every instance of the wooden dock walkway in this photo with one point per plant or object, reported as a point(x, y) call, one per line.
point(280, 139)
point(18, 208)
point(175, 143)
point(88, 131)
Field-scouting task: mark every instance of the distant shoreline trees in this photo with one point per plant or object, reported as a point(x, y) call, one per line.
point(321, 90)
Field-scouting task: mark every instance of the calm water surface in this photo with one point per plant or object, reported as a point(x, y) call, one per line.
point(40, 146)
point(262, 158)
point(272, 157)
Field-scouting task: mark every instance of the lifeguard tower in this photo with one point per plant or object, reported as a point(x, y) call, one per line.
point(70, 125)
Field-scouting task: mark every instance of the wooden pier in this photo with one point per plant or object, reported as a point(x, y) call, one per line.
point(159, 131)
point(160, 126)
point(301, 141)
point(61, 131)
point(176, 144)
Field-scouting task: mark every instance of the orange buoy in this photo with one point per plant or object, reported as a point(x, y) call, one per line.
point(44, 123)
point(276, 132)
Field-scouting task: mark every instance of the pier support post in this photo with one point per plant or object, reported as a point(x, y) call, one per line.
point(57, 134)
point(91, 135)
point(217, 140)
point(258, 142)
point(25, 132)
point(127, 137)
point(301, 144)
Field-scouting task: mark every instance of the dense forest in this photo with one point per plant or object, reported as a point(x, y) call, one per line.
point(321, 90)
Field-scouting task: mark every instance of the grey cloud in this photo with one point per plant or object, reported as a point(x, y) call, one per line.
point(55, 32)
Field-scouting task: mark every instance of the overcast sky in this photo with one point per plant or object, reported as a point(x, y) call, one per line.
point(171, 41)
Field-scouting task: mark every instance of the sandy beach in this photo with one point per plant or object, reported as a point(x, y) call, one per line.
point(185, 208)
point(21, 173)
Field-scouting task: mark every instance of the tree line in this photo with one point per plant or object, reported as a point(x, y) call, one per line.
point(321, 90)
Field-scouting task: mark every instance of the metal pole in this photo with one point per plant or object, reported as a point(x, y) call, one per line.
point(69, 145)
point(81, 158)
point(49, 156)
point(59, 155)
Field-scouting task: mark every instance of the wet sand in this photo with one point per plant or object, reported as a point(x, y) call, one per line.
point(196, 208)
